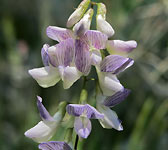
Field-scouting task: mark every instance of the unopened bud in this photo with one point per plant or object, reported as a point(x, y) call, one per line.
point(78, 13)
point(102, 25)
point(101, 10)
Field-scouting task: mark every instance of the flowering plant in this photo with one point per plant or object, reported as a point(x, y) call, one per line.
point(78, 49)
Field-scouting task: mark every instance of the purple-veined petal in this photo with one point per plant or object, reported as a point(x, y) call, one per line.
point(54, 145)
point(45, 76)
point(70, 75)
point(110, 119)
point(42, 110)
point(115, 64)
point(96, 57)
point(82, 57)
point(44, 55)
point(83, 110)
point(121, 46)
point(62, 54)
point(65, 52)
point(42, 132)
point(95, 39)
point(79, 29)
point(116, 98)
point(109, 83)
point(78, 13)
point(58, 34)
point(82, 126)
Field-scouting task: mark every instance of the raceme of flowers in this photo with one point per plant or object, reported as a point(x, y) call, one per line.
point(78, 49)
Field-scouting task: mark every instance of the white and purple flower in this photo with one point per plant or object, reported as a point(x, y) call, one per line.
point(104, 103)
point(83, 113)
point(59, 65)
point(54, 145)
point(46, 128)
point(107, 71)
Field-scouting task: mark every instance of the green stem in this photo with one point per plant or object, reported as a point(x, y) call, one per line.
point(76, 142)
point(84, 93)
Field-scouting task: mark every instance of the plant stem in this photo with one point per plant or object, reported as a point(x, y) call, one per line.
point(92, 4)
point(76, 142)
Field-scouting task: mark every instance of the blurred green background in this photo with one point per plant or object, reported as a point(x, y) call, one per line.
point(144, 113)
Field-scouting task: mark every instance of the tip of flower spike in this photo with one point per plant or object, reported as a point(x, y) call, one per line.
point(78, 13)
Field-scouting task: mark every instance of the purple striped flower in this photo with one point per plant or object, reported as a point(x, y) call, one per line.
point(59, 65)
point(109, 67)
point(54, 145)
point(82, 115)
point(46, 128)
point(87, 50)
point(110, 119)
point(87, 42)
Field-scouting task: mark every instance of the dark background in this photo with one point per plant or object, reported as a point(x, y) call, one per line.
point(145, 112)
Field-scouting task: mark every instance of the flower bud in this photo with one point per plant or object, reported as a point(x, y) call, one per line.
point(84, 24)
point(78, 13)
point(102, 25)
point(101, 10)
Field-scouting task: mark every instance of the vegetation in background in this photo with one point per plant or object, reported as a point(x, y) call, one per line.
point(144, 113)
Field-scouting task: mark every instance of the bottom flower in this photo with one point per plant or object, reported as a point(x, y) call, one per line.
point(83, 113)
point(54, 145)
